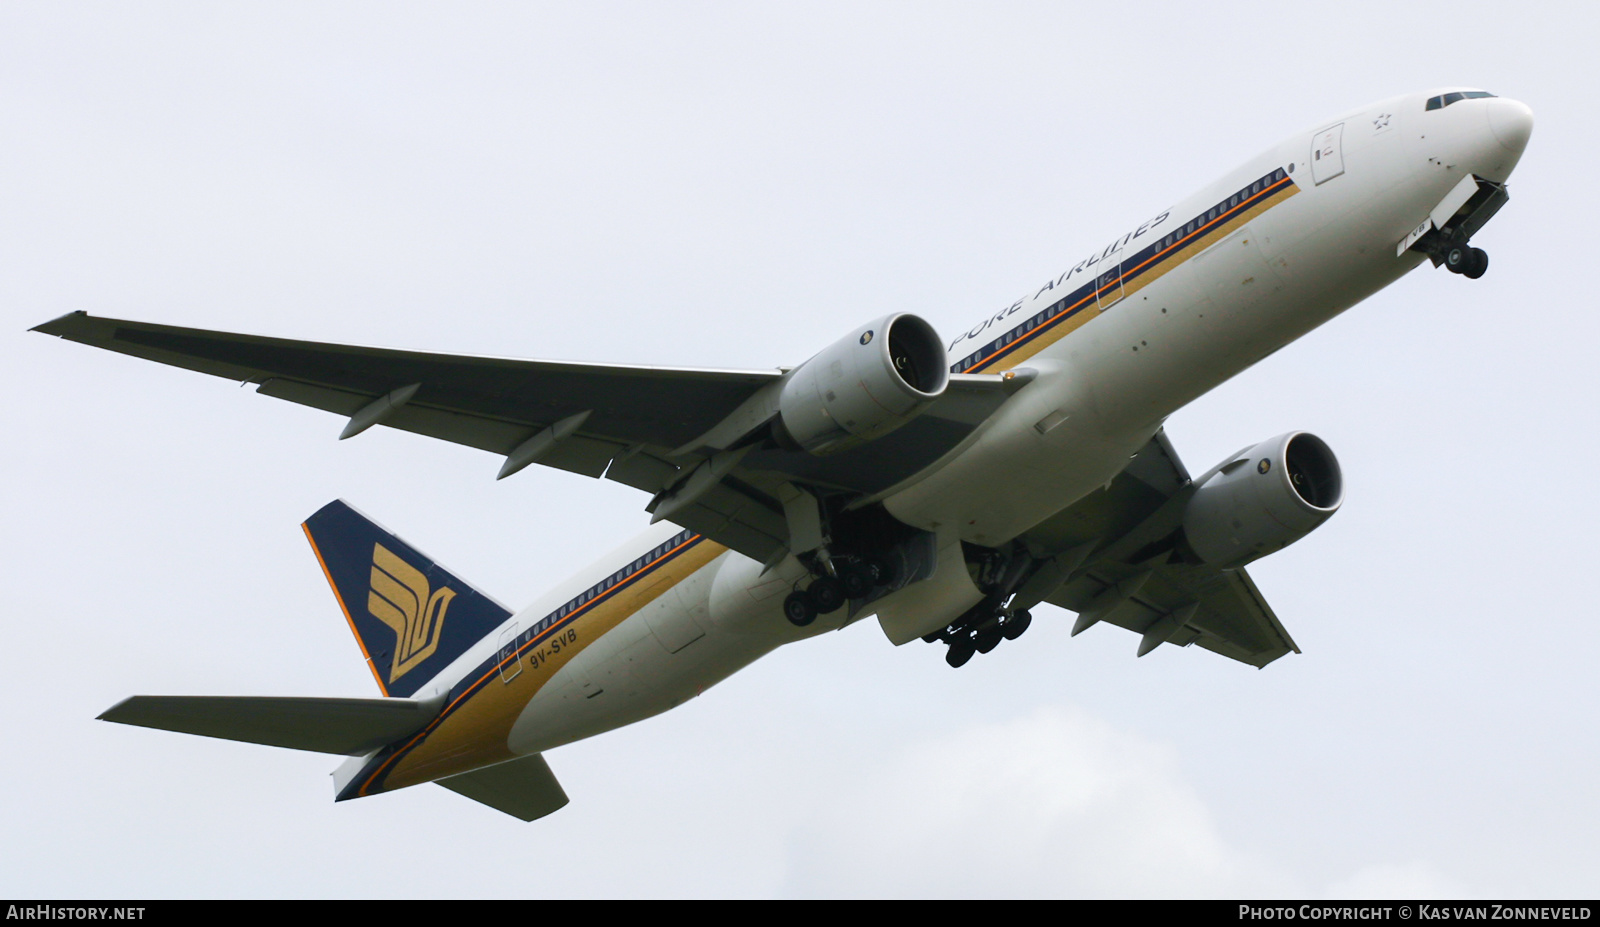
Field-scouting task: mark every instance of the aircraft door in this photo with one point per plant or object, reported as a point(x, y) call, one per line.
point(510, 660)
point(1327, 154)
point(1108, 286)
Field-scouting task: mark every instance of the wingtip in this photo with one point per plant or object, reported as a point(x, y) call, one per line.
point(54, 326)
point(110, 713)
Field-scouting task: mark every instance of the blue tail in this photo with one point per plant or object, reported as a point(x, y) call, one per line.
point(410, 615)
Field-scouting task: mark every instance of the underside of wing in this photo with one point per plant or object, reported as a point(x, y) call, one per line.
point(1134, 574)
point(637, 425)
point(1220, 610)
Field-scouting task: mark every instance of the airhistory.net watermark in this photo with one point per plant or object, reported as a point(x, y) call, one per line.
point(51, 912)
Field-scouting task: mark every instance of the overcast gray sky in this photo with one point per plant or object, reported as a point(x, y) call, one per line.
point(738, 185)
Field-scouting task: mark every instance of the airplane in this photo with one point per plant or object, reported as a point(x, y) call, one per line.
point(947, 488)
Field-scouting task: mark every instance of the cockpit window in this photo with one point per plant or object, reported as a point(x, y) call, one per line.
point(1440, 102)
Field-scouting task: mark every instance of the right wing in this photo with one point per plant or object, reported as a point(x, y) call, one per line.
point(1229, 615)
point(1133, 576)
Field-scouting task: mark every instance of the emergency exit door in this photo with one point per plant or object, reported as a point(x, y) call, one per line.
point(1327, 154)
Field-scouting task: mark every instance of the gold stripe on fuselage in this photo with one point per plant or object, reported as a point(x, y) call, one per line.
point(1173, 257)
point(1163, 263)
point(474, 731)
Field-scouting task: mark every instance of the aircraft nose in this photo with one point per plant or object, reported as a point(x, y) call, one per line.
point(1511, 122)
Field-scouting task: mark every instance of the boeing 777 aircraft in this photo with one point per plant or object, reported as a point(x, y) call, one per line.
point(945, 487)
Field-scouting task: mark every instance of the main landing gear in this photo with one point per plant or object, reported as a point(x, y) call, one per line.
point(851, 579)
point(1466, 261)
point(1001, 614)
point(982, 635)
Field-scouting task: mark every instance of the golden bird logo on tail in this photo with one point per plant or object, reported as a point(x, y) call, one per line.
point(400, 598)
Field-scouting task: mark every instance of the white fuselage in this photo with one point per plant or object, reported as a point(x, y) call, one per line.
point(1252, 278)
point(1267, 281)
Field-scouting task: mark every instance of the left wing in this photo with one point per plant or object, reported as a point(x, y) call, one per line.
point(489, 403)
point(636, 425)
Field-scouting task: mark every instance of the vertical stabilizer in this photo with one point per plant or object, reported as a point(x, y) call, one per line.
point(410, 615)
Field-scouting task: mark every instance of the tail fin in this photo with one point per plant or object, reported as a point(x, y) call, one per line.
point(410, 615)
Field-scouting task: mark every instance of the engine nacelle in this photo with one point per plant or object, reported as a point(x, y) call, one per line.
point(863, 386)
point(1263, 499)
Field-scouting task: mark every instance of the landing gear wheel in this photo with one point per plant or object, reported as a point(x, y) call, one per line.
point(959, 653)
point(1020, 619)
point(988, 639)
point(1457, 259)
point(826, 595)
point(856, 580)
point(797, 608)
point(1477, 263)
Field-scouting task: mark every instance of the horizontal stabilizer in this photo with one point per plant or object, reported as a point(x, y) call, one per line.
point(351, 726)
point(524, 788)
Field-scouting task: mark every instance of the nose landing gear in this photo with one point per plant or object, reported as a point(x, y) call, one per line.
point(1468, 262)
point(1446, 234)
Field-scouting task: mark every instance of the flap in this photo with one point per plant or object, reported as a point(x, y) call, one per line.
point(1222, 611)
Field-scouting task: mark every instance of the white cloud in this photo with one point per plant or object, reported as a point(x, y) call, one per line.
point(1056, 803)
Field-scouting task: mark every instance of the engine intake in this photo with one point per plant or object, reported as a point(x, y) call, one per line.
point(863, 386)
point(1263, 499)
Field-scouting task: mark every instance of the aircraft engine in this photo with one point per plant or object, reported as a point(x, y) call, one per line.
point(863, 386)
point(1263, 499)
